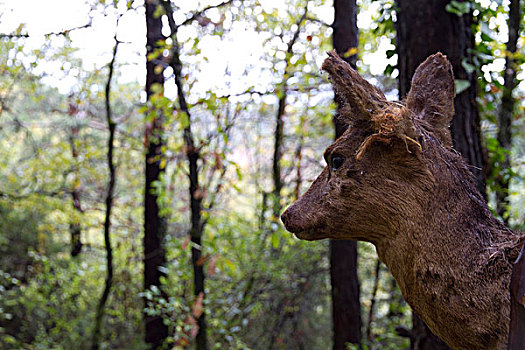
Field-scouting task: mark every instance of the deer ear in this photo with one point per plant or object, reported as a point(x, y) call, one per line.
point(360, 98)
point(431, 96)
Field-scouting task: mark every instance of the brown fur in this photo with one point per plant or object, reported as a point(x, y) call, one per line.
point(403, 188)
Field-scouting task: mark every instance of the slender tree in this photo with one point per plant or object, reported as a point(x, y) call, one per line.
point(276, 195)
point(507, 109)
point(95, 344)
point(196, 195)
point(197, 191)
point(154, 223)
point(299, 157)
point(346, 308)
point(279, 121)
point(424, 28)
point(373, 300)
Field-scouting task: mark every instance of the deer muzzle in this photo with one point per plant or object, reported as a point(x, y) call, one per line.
point(301, 225)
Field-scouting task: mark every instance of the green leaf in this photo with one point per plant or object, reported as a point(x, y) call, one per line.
point(184, 120)
point(229, 264)
point(487, 34)
point(159, 11)
point(458, 8)
point(389, 69)
point(276, 240)
point(486, 37)
point(469, 68)
point(461, 85)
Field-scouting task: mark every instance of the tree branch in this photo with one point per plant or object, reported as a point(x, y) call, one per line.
point(61, 33)
point(195, 16)
point(13, 196)
point(317, 20)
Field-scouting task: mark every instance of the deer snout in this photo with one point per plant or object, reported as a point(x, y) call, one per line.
point(291, 221)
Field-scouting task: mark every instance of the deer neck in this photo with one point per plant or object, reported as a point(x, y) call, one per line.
point(453, 263)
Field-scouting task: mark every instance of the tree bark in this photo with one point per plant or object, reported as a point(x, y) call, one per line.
point(154, 224)
point(507, 109)
point(346, 308)
point(424, 28)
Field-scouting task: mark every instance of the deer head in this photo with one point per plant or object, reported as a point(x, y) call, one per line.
point(379, 172)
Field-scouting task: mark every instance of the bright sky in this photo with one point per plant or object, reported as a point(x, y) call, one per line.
point(96, 43)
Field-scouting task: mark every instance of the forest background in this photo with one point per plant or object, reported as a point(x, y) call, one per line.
point(148, 148)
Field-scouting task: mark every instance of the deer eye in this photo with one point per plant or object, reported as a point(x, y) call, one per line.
point(336, 161)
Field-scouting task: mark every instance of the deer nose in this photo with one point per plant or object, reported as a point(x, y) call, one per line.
point(289, 220)
point(284, 218)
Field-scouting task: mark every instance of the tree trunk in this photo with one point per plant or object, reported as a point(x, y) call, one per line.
point(299, 158)
point(346, 308)
point(424, 28)
point(195, 191)
point(277, 153)
point(517, 284)
point(154, 225)
point(197, 227)
point(506, 110)
point(517, 304)
point(373, 299)
point(75, 229)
